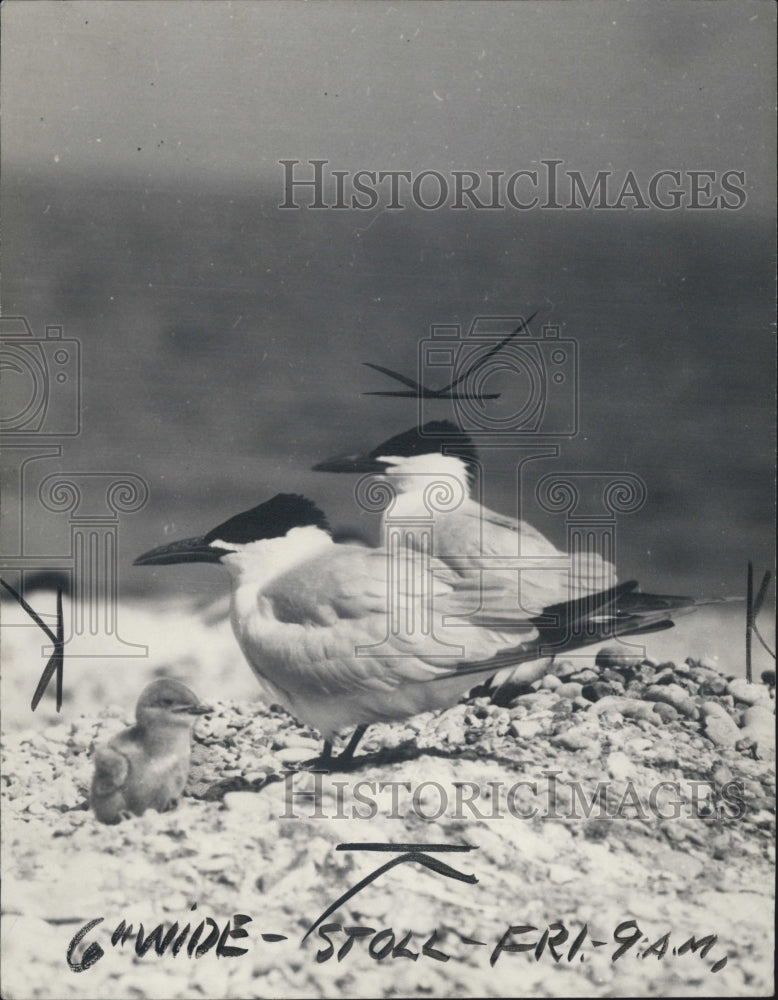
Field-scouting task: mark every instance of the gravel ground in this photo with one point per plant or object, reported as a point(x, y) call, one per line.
point(256, 834)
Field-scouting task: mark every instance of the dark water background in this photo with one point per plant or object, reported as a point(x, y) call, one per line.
point(222, 342)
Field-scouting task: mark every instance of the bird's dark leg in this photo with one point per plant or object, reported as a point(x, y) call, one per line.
point(348, 753)
point(326, 753)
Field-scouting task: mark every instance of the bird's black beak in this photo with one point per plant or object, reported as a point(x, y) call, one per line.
point(351, 463)
point(186, 550)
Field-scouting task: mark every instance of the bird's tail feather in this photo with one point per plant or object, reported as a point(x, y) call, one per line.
point(628, 602)
point(562, 628)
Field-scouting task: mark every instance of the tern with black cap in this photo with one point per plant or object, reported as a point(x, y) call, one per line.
point(513, 567)
point(316, 620)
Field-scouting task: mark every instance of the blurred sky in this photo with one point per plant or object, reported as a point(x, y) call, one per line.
point(188, 89)
point(222, 340)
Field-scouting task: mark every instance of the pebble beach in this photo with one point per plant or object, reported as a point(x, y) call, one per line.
point(620, 803)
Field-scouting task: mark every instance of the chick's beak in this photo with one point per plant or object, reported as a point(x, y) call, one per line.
point(193, 709)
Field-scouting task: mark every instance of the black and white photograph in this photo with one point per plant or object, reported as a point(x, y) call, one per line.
point(388, 486)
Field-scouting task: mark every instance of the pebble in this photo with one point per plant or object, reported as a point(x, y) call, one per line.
point(255, 776)
point(615, 703)
point(586, 676)
point(749, 694)
point(575, 739)
point(619, 766)
point(674, 830)
point(715, 686)
point(721, 846)
point(761, 818)
point(678, 863)
point(616, 655)
point(768, 677)
point(597, 690)
point(713, 708)
point(752, 789)
point(418, 723)
point(673, 694)
point(551, 681)
point(525, 729)
point(747, 746)
point(664, 753)
point(759, 725)
point(667, 713)
point(722, 730)
point(214, 729)
point(721, 774)
point(571, 689)
point(635, 689)
point(559, 874)
point(535, 698)
point(646, 714)
point(761, 714)
point(501, 726)
point(451, 731)
point(639, 744)
point(79, 742)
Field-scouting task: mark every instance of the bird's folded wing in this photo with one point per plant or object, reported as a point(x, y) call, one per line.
point(111, 770)
point(543, 574)
point(355, 583)
point(363, 619)
point(363, 624)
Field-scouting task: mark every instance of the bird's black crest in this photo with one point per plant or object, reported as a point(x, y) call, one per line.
point(438, 435)
point(272, 519)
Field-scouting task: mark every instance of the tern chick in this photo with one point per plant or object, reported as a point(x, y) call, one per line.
point(146, 766)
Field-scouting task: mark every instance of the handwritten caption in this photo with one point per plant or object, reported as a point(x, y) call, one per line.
point(387, 943)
